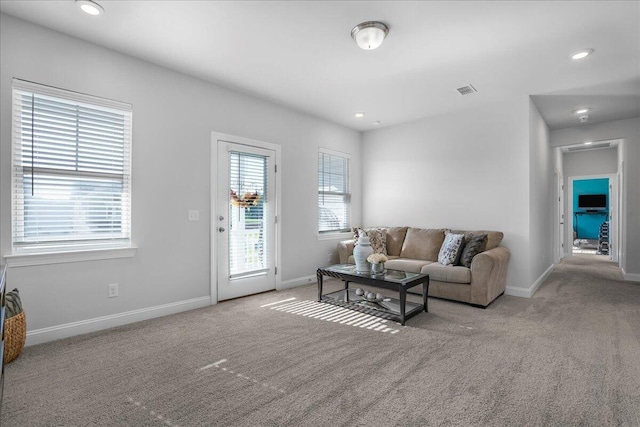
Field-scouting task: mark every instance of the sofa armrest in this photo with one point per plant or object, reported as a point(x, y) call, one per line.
point(489, 275)
point(345, 250)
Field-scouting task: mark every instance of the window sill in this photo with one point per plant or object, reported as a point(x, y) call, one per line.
point(336, 236)
point(27, 260)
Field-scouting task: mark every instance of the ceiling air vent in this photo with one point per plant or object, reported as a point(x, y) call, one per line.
point(589, 147)
point(466, 90)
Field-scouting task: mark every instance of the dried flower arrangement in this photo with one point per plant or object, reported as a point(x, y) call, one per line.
point(246, 201)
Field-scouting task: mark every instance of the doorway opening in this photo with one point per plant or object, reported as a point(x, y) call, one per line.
point(590, 207)
point(594, 229)
point(590, 200)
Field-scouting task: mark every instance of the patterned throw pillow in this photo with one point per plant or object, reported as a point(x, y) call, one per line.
point(451, 249)
point(377, 237)
point(473, 245)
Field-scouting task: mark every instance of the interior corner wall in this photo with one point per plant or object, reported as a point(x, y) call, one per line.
point(629, 131)
point(541, 189)
point(468, 171)
point(173, 117)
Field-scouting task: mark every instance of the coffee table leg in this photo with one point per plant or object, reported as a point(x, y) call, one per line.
point(425, 294)
point(346, 288)
point(319, 276)
point(403, 304)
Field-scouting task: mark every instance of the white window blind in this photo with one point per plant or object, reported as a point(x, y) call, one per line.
point(334, 198)
point(71, 183)
point(248, 211)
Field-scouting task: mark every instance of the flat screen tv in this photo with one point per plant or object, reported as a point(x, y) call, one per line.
point(592, 201)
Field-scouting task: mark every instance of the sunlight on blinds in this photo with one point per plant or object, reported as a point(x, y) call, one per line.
point(247, 214)
point(334, 198)
point(71, 169)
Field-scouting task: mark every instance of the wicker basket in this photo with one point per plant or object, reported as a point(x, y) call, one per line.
point(15, 334)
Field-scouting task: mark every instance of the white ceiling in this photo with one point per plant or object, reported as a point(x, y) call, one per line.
point(300, 53)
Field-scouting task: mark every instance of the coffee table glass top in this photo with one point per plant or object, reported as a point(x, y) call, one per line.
point(389, 275)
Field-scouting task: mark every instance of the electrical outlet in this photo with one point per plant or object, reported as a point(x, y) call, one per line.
point(113, 290)
point(194, 215)
point(330, 257)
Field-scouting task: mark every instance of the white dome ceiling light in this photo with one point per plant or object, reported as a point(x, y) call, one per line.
point(369, 35)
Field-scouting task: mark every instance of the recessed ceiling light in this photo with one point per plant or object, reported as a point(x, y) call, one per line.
point(359, 115)
point(581, 54)
point(588, 142)
point(581, 111)
point(90, 7)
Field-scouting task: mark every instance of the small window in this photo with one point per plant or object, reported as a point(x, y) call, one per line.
point(334, 198)
point(71, 184)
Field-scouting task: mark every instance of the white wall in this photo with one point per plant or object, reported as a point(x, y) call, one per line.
point(173, 116)
point(629, 130)
point(591, 162)
point(464, 171)
point(542, 193)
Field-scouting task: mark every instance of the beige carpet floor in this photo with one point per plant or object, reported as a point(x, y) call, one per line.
point(569, 356)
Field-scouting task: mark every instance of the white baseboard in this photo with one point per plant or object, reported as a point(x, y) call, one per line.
point(531, 290)
point(52, 333)
point(293, 283)
point(517, 292)
point(631, 276)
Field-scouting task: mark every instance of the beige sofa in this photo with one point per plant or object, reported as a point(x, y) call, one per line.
point(416, 250)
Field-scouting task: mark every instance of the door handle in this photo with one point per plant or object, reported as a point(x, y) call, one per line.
point(221, 229)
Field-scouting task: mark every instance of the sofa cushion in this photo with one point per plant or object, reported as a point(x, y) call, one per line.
point(422, 243)
point(451, 249)
point(377, 237)
point(395, 238)
point(447, 273)
point(404, 264)
point(473, 245)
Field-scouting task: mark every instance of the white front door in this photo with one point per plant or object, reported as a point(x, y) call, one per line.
point(245, 220)
point(562, 248)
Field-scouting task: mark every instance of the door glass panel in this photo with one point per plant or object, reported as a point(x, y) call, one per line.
point(247, 213)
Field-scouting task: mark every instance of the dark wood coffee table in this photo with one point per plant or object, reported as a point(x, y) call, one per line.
point(396, 280)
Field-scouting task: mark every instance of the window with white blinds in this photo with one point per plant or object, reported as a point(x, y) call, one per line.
point(334, 198)
point(248, 212)
point(71, 183)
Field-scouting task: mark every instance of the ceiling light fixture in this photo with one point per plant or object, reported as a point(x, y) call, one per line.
point(359, 115)
point(369, 35)
point(581, 54)
point(90, 7)
point(581, 111)
point(588, 142)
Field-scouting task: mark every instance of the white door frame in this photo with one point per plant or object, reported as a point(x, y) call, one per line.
point(215, 136)
point(560, 246)
point(614, 208)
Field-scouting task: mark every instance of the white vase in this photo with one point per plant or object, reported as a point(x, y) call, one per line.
point(360, 253)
